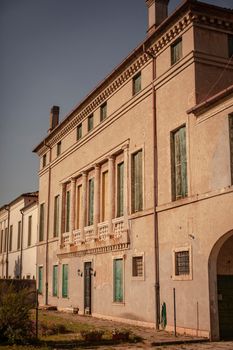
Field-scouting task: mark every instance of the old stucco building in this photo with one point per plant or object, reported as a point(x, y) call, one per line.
point(135, 184)
point(18, 237)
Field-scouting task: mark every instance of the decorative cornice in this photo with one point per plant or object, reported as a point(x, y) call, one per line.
point(97, 250)
point(161, 39)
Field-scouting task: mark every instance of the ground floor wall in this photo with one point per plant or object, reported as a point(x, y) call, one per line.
point(193, 227)
point(137, 302)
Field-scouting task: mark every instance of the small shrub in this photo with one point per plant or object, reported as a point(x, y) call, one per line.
point(92, 335)
point(52, 329)
point(120, 334)
point(15, 323)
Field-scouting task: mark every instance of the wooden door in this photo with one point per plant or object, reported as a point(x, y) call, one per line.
point(225, 306)
point(87, 288)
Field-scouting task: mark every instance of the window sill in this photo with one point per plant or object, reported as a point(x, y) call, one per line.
point(118, 303)
point(138, 278)
point(182, 278)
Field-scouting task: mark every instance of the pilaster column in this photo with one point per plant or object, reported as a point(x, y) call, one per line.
point(72, 207)
point(84, 205)
point(111, 192)
point(126, 184)
point(97, 199)
point(62, 211)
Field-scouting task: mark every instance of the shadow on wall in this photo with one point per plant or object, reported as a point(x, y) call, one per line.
point(17, 268)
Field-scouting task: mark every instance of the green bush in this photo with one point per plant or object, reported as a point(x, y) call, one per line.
point(15, 323)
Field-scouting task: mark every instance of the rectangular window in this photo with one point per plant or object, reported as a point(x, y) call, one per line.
point(41, 223)
point(1, 242)
point(79, 132)
point(40, 279)
point(90, 122)
point(65, 281)
point(231, 145)
point(118, 280)
point(56, 217)
point(120, 189)
point(67, 217)
point(137, 189)
point(103, 111)
point(29, 230)
point(55, 280)
point(19, 236)
point(44, 161)
point(179, 164)
point(79, 206)
point(182, 263)
point(137, 266)
point(91, 202)
point(58, 148)
point(176, 51)
point(230, 46)
point(11, 238)
point(5, 240)
point(104, 196)
point(137, 83)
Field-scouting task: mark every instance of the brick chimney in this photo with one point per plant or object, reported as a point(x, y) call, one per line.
point(157, 13)
point(54, 117)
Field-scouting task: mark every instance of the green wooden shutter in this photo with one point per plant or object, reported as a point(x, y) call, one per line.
point(55, 280)
point(29, 230)
point(137, 202)
point(120, 190)
point(41, 228)
point(68, 211)
point(40, 279)
point(19, 235)
point(180, 164)
point(118, 280)
point(56, 217)
point(90, 122)
point(184, 186)
point(10, 238)
point(65, 281)
point(91, 202)
point(137, 83)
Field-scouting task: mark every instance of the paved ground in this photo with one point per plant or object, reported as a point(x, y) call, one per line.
point(149, 336)
point(206, 346)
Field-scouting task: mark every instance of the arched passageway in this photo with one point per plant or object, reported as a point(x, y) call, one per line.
point(221, 288)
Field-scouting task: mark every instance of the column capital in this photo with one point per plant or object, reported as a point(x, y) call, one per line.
point(97, 165)
point(111, 157)
point(73, 179)
point(84, 173)
point(125, 147)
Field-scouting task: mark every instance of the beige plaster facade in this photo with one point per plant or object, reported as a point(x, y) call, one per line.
point(136, 113)
point(17, 239)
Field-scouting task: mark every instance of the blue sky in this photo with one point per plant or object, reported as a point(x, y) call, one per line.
point(53, 52)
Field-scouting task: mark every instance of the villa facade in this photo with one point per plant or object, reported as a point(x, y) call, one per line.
point(135, 184)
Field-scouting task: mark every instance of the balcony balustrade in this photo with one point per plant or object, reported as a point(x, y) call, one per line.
point(89, 233)
point(66, 238)
point(103, 231)
point(118, 227)
point(77, 237)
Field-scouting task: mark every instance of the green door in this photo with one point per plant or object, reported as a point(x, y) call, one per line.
point(225, 306)
point(87, 288)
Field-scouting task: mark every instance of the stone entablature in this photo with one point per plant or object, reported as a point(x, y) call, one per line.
point(136, 61)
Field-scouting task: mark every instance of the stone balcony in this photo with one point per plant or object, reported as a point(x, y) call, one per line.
point(92, 238)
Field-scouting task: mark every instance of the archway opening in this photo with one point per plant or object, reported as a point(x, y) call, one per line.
point(225, 289)
point(221, 288)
